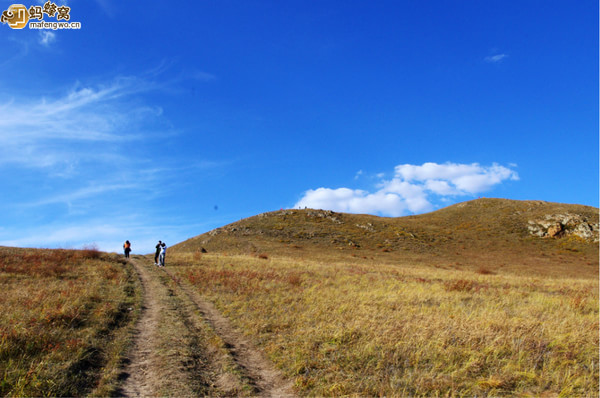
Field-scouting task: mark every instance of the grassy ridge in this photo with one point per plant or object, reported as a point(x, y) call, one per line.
point(64, 321)
point(351, 328)
point(489, 233)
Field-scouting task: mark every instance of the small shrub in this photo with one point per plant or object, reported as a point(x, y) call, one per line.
point(90, 251)
point(485, 271)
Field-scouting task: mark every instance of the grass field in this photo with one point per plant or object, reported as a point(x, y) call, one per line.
point(464, 301)
point(360, 328)
point(65, 321)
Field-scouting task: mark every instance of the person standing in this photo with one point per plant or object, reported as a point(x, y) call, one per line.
point(127, 248)
point(158, 246)
point(163, 253)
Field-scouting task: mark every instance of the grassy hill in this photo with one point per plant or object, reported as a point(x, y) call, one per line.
point(484, 233)
point(489, 297)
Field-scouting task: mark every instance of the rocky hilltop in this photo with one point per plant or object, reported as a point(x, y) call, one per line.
point(481, 231)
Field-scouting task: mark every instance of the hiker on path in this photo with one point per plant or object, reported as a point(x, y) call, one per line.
point(157, 253)
point(163, 252)
point(127, 248)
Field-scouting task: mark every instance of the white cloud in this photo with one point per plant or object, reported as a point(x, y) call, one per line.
point(440, 187)
point(495, 58)
point(455, 179)
point(413, 196)
point(434, 171)
point(47, 37)
point(412, 189)
point(352, 201)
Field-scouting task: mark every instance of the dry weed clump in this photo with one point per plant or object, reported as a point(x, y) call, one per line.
point(485, 271)
point(408, 330)
point(60, 314)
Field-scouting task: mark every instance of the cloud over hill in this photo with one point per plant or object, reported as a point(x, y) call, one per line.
point(411, 190)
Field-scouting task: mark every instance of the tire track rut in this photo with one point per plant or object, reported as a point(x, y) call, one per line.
point(208, 375)
point(258, 371)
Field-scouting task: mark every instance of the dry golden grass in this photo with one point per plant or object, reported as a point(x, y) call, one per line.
point(374, 328)
point(65, 317)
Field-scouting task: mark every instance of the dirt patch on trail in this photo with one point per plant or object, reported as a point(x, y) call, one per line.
point(143, 368)
point(167, 357)
point(258, 372)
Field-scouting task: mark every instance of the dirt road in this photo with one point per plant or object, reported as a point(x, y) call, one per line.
point(183, 346)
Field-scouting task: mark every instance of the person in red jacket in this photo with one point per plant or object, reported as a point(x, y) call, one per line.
point(127, 248)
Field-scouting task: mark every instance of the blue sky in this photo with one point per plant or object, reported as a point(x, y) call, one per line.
point(161, 121)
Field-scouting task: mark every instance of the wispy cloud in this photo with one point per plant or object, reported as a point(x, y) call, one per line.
point(495, 58)
point(43, 132)
point(83, 193)
point(413, 189)
point(202, 76)
point(47, 37)
point(86, 167)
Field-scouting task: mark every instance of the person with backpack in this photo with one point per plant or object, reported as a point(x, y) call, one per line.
point(163, 252)
point(158, 246)
point(127, 248)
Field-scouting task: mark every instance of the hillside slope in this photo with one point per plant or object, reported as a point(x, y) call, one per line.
point(482, 232)
point(484, 298)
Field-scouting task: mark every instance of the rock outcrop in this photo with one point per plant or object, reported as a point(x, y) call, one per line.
point(563, 225)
